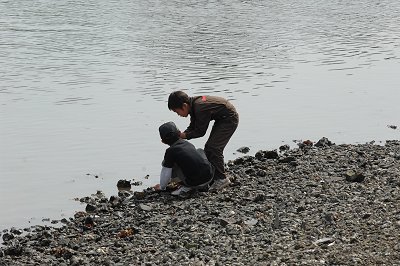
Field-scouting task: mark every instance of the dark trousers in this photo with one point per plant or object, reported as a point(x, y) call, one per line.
point(220, 134)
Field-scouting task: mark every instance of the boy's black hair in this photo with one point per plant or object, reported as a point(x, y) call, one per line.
point(176, 100)
point(169, 133)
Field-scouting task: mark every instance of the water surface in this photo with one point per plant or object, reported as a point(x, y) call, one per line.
point(84, 83)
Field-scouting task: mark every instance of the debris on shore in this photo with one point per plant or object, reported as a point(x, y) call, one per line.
point(322, 204)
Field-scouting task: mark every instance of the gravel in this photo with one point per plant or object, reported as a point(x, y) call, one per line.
point(322, 204)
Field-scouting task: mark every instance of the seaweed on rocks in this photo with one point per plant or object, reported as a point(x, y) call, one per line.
point(275, 213)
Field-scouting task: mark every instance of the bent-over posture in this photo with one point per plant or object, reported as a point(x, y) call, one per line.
point(202, 110)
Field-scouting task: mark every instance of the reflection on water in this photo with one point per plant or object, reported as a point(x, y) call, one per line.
point(83, 84)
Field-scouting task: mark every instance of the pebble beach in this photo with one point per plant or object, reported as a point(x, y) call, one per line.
point(315, 204)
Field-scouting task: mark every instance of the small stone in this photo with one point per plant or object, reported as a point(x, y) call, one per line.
point(16, 231)
point(325, 240)
point(136, 183)
point(90, 208)
point(259, 198)
point(271, 155)
point(243, 150)
point(352, 176)
point(126, 233)
point(239, 161)
point(366, 215)
point(251, 222)
point(139, 195)
point(324, 142)
point(115, 201)
point(300, 209)
point(224, 222)
point(45, 242)
point(330, 217)
point(308, 143)
point(145, 207)
point(8, 237)
point(124, 184)
point(276, 223)
point(124, 193)
point(233, 229)
point(284, 148)
point(261, 173)
point(89, 221)
point(259, 155)
point(397, 224)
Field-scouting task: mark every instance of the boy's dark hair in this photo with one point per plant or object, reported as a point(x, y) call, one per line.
point(169, 133)
point(176, 100)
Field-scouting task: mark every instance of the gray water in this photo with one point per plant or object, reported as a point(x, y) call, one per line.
point(84, 84)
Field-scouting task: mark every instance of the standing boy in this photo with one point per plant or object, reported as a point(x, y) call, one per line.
point(203, 109)
point(183, 161)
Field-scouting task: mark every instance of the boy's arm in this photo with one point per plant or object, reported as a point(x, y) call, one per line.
point(165, 177)
point(191, 125)
point(166, 170)
point(198, 125)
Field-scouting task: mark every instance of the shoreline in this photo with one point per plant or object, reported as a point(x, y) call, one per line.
point(319, 204)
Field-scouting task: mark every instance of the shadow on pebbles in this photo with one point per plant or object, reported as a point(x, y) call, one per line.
point(321, 204)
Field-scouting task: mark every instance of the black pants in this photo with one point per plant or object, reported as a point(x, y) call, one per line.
point(177, 174)
point(220, 135)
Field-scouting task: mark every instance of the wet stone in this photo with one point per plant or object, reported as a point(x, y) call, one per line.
point(271, 155)
point(124, 184)
point(15, 231)
point(261, 173)
point(7, 237)
point(324, 142)
point(284, 148)
point(90, 208)
point(89, 222)
point(243, 149)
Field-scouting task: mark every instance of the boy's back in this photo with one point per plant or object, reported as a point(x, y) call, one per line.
point(195, 167)
point(205, 109)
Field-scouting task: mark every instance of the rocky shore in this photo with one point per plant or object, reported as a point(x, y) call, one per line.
point(316, 204)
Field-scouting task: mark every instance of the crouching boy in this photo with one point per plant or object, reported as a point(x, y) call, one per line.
point(183, 161)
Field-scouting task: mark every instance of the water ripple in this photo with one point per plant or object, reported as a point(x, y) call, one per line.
point(77, 45)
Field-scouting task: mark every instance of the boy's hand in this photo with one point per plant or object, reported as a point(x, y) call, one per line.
point(157, 187)
point(183, 135)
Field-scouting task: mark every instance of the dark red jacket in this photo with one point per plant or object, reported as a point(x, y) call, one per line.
point(204, 109)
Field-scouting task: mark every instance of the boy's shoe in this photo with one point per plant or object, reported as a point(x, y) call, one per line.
point(181, 191)
point(220, 184)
